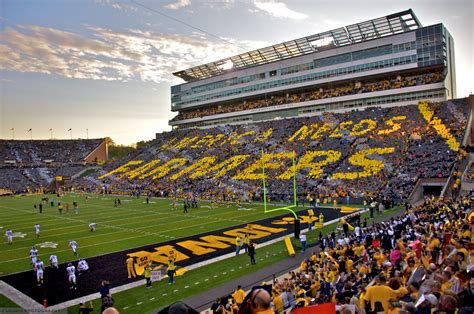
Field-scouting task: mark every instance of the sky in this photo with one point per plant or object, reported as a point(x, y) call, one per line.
point(103, 68)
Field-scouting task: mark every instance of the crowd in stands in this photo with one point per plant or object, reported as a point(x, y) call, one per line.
point(419, 262)
point(319, 93)
point(27, 166)
point(37, 152)
point(470, 173)
point(420, 152)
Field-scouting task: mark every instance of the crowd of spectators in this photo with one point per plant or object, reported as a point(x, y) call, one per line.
point(470, 173)
point(37, 152)
point(419, 262)
point(420, 152)
point(30, 165)
point(319, 93)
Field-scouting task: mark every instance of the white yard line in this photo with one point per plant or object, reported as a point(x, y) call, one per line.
point(128, 286)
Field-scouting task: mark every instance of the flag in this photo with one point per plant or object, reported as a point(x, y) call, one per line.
point(325, 308)
point(29, 130)
point(70, 130)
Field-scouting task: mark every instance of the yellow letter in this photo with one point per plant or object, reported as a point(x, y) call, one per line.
point(303, 132)
point(358, 128)
point(207, 245)
point(249, 172)
point(122, 168)
point(140, 170)
point(164, 169)
point(315, 167)
point(185, 142)
point(162, 252)
point(395, 126)
point(318, 133)
point(225, 166)
point(201, 166)
point(371, 167)
point(341, 127)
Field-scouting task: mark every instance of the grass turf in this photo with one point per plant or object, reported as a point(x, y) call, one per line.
point(132, 225)
point(143, 300)
point(6, 303)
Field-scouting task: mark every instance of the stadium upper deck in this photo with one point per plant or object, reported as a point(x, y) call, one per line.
point(389, 60)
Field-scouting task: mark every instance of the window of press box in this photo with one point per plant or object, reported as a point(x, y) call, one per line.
point(273, 73)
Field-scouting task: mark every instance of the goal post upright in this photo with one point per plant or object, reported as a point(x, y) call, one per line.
point(287, 208)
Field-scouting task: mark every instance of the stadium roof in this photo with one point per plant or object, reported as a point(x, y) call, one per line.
point(392, 24)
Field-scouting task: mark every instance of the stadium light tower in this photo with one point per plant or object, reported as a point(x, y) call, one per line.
point(87, 133)
point(70, 132)
point(31, 133)
point(51, 132)
point(13, 133)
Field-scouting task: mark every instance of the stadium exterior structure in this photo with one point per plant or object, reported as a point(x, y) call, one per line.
point(285, 77)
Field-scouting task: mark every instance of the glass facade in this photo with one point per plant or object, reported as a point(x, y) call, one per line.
point(430, 46)
point(308, 77)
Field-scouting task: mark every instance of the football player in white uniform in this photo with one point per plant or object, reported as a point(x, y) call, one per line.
point(92, 226)
point(73, 245)
point(71, 274)
point(33, 255)
point(82, 266)
point(53, 261)
point(37, 231)
point(9, 235)
point(39, 268)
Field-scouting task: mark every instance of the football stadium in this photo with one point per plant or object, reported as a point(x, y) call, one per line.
point(331, 173)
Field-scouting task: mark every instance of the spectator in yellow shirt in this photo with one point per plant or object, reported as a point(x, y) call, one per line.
point(382, 293)
point(239, 295)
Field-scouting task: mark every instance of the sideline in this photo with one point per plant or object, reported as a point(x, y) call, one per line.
point(21, 299)
point(94, 296)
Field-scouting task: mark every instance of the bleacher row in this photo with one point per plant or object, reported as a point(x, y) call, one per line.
point(376, 151)
point(318, 93)
point(381, 151)
point(29, 165)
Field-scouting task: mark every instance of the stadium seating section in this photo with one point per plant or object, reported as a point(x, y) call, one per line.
point(319, 93)
point(381, 151)
point(28, 165)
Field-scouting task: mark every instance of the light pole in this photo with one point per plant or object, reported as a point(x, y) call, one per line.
point(70, 131)
point(31, 133)
point(13, 133)
point(87, 133)
point(51, 132)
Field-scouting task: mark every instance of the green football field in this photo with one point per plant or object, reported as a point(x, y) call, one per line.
point(133, 224)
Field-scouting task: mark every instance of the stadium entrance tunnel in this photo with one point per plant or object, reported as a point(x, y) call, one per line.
point(187, 251)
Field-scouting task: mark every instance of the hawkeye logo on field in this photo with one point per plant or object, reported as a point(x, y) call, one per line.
point(203, 245)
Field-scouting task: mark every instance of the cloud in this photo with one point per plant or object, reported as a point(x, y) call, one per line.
point(219, 4)
point(178, 4)
point(116, 5)
point(279, 10)
point(109, 55)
